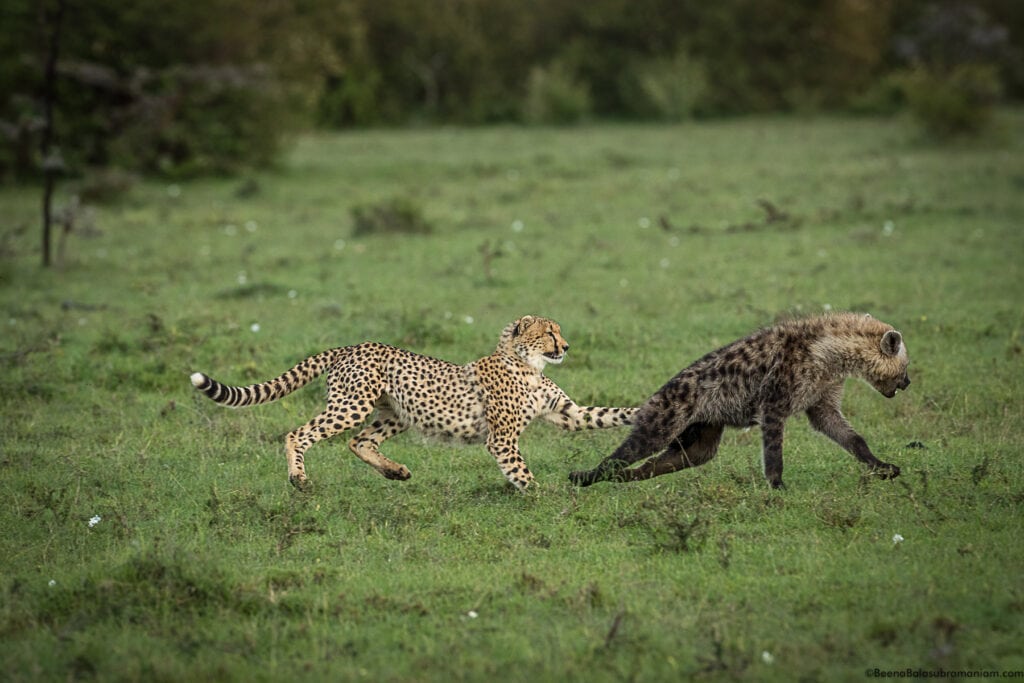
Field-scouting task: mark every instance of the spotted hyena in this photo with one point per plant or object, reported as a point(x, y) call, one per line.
point(795, 366)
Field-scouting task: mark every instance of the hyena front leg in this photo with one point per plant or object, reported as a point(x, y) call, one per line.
point(697, 445)
point(366, 445)
point(827, 419)
point(771, 449)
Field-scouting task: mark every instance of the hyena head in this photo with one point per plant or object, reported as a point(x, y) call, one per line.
point(887, 371)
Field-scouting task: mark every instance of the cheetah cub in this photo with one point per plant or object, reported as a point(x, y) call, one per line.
point(796, 366)
point(490, 400)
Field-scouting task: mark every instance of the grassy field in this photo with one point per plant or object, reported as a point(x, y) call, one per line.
point(151, 535)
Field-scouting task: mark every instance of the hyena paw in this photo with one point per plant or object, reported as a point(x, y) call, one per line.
point(887, 470)
point(777, 484)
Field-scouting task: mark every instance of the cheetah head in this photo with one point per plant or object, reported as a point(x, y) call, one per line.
point(537, 341)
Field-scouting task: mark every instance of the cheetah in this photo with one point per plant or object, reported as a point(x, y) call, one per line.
point(490, 400)
point(795, 366)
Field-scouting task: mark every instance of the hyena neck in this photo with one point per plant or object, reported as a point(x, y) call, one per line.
point(843, 355)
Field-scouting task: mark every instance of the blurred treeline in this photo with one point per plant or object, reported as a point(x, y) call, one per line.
point(214, 86)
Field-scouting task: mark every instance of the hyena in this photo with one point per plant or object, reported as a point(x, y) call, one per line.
point(797, 365)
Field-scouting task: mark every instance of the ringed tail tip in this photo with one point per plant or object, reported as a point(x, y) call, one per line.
point(198, 379)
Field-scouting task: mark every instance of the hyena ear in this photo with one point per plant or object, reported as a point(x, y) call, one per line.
point(522, 324)
point(891, 342)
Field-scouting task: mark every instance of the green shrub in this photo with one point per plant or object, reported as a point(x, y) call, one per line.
point(953, 81)
point(956, 103)
point(389, 217)
point(555, 95)
point(202, 120)
point(670, 89)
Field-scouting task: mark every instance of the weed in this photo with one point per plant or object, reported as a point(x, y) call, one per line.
point(390, 217)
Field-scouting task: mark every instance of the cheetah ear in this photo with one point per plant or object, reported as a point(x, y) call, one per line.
point(522, 324)
point(891, 342)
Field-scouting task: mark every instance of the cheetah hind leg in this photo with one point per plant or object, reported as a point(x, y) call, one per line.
point(338, 417)
point(366, 445)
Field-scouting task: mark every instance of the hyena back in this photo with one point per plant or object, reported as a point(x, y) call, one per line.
point(795, 366)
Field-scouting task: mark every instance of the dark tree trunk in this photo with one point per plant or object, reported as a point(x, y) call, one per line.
point(52, 19)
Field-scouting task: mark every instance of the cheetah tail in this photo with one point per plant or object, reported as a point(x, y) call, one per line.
point(255, 394)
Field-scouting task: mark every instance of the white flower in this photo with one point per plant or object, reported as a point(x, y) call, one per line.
point(767, 657)
point(897, 539)
point(468, 319)
point(517, 225)
point(292, 294)
point(888, 227)
point(644, 222)
point(472, 614)
point(52, 583)
point(242, 278)
point(255, 327)
point(94, 520)
point(250, 226)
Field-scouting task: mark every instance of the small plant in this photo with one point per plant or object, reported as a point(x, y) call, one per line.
point(669, 89)
point(555, 96)
point(956, 103)
point(389, 217)
point(953, 81)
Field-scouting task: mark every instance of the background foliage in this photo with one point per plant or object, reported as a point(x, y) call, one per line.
point(187, 88)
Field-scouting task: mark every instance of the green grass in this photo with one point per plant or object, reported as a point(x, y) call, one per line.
point(649, 246)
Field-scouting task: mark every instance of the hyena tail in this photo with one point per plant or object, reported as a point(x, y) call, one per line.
point(271, 390)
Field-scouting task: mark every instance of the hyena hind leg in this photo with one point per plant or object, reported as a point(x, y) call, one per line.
point(366, 445)
point(697, 445)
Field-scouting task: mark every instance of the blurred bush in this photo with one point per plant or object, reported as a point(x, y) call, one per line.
point(952, 103)
point(674, 88)
point(555, 96)
point(954, 52)
point(153, 85)
point(390, 217)
point(185, 88)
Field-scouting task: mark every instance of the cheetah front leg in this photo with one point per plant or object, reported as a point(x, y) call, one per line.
point(503, 445)
point(366, 445)
point(564, 412)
